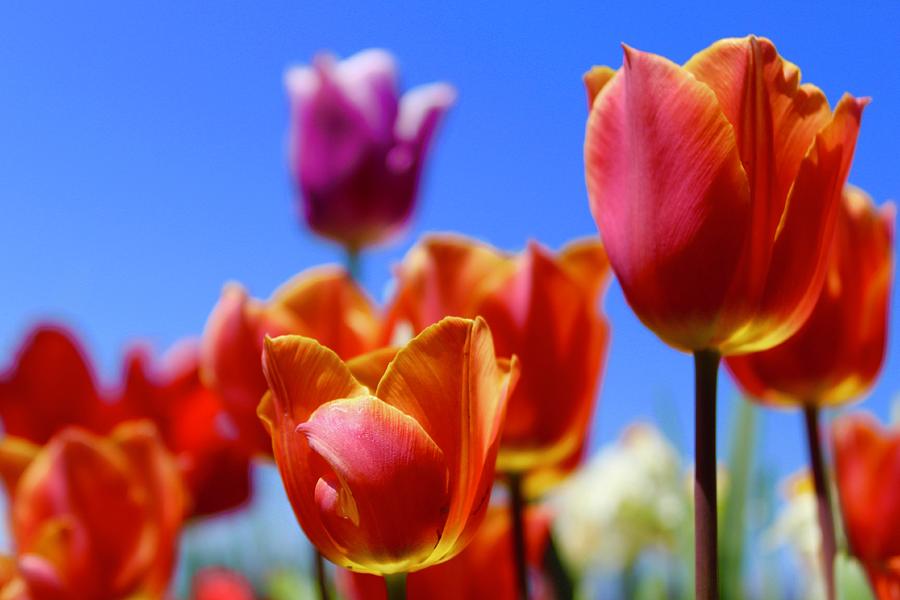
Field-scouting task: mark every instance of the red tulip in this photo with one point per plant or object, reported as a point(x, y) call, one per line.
point(836, 355)
point(51, 387)
point(191, 419)
point(94, 518)
point(867, 470)
point(322, 303)
point(716, 186)
point(542, 308)
point(357, 149)
point(388, 473)
point(221, 584)
point(483, 571)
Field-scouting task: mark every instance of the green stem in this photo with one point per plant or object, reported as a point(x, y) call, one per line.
point(517, 516)
point(396, 586)
point(706, 560)
point(321, 580)
point(563, 587)
point(823, 499)
point(353, 263)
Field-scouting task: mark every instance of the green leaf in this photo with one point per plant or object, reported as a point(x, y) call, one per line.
point(850, 579)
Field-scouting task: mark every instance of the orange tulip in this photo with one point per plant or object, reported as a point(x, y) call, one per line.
point(715, 186)
point(835, 356)
point(867, 469)
point(388, 466)
point(94, 518)
point(542, 308)
point(322, 303)
point(483, 571)
point(51, 387)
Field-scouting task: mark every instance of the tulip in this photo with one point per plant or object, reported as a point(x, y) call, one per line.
point(540, 307)
point(867, 470)
point(221, 584)
point(191, 420)
point(715, 187)
point(322, 303)
point(51, 387)
point(836, 355)
point(357, 149)
point(388, 462)
point(94, 518)
point(483, 571)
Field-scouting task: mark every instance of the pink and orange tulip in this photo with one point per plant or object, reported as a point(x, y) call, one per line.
point(357, 149)
point(94, 518)
point(715, 186)
point(221, 584)
point(388, 460)
point(837, 353)
point(322, 303)
point(867, 470)
point(544, 308)
point(483, 571)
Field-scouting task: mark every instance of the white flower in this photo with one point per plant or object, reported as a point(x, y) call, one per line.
point(629, 498)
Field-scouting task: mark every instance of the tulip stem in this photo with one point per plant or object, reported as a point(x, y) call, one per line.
point(517, 515)
point(706, 560)
point(396, 586)
point(321, 581)
point(823, 499)
point(563, 587)
point(354, 263)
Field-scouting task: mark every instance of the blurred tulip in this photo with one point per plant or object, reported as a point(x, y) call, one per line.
point(483, 571)
point(51, 387)
point(628, 499)
point(95, 518)
point(221, 584)
point(540, 307)
point(835, 356)
point(716, 186)
point(388, 467)
point(191, 420)
point(322, 303)
point(867, 470)
point(357, 149)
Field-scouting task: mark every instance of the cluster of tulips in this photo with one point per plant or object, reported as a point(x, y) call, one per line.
point(419, 437)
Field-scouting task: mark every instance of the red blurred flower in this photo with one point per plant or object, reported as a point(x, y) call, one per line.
point(540, 307)
point(357, 149)
point(388, 468)
point(51, 387)
point(836, 355)
point(221, 584)
point(867, 469)
point(716, 186)
point(483, 571)
point(322, 303)
point(94, 518)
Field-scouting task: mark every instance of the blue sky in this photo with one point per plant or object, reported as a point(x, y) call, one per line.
point(142, 158)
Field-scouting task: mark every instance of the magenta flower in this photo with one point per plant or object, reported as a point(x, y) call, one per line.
point(356, 147)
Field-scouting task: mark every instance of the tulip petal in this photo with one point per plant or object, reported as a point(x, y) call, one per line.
point(595, 80)
point(587, 264)
point(389, 500)
point(775, 119)
point(327, 305)
point(302, 375)
point(369, 80)
point(669, 195)
point(49, 387)
point(444, 275)
point(800, 253)
point(15, 456)
point(450, 382)
point(420, 113)
point(369, 368)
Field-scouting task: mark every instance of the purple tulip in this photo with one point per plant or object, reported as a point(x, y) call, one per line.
point(356, 148)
